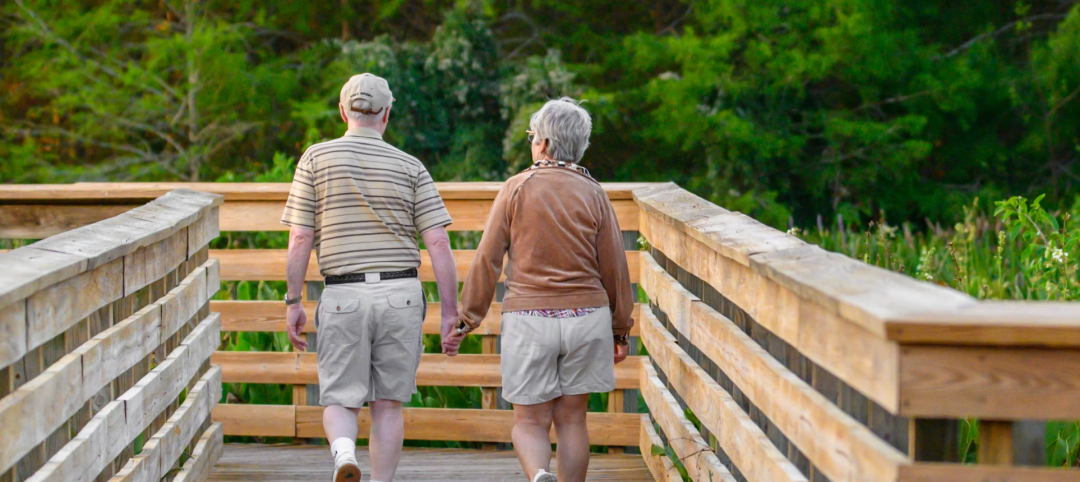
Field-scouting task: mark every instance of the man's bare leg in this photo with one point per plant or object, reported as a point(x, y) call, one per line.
point(572, 451)
point(340, 425)
point(387, 434)
point(532, 423)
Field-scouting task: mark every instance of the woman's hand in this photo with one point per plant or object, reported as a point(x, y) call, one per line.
point(296, 319)
point(621, 351)
point(451, 339)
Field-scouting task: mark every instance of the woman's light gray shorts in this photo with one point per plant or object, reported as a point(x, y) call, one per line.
point(546, 358)
point(370, 337)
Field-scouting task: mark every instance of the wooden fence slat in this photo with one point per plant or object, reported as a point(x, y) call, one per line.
point(435, 369)
point(837, 445)
point(740, 438)
point(12, 335)
point(850, 352)
point(163, 450)
point(665, 291)
point(475, 425)
point(700, 461)
point(269, 316)
point(269, 265)
point(256, 420)
point(53, 310)
point(206, 454)
point(993, 383)
point(31, 413)
point(934, 472)
point(660, 466)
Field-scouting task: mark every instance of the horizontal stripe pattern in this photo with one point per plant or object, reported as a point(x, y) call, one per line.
point(366, 201)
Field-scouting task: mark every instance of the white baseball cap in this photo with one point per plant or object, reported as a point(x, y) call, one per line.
point(369, 87)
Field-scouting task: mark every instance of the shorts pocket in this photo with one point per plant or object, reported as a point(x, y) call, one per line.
point(405, 300)
point(339, 321)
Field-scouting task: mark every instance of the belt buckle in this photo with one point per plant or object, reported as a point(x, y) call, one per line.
point(372, 277)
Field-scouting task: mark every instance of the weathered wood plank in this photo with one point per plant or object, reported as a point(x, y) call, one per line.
point(740, 438)
point(202, 231)
point(163, 450)
point(932, 472)
point(183, 302)
point(269, 265)
point(269, 316)
point(839, 447)
point(151, 263)
point(32, 412)
point(111, 353)
point(12, 335)
point(700, 461)
point(661, 467)
point(435, 369)
point(160, 388)
point(53, 310)
point(256, 420)
point(206, 454)
point(665, 291)
point(860, 358)
point(142, 192)
point(38, 221)
point(474, 425)
point(991, 383)
point(997, 323)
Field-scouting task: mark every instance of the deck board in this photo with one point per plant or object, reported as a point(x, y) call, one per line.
point(289, 463)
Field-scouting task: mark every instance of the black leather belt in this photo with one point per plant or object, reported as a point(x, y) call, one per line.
point(360, 278)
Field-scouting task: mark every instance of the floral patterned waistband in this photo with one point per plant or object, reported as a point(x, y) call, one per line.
point(564, 313)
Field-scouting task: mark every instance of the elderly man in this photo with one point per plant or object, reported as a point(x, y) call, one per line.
point(360, 202)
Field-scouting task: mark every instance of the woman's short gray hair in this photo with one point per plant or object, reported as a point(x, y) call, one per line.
point(566, 125)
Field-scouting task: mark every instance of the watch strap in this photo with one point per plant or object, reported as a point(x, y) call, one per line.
point(293, 301)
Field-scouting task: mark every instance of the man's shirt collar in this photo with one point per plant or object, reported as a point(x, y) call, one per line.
point(364, 132)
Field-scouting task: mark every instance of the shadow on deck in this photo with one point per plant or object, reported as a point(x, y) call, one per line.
point(291, 463)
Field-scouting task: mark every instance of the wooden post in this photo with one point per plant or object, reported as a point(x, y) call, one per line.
point(995, 442)
point(489, 395)
point(615, 405)
point(1029, 443)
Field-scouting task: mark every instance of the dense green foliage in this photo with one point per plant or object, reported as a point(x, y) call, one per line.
point(775, 108)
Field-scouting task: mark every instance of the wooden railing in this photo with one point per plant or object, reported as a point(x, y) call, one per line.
point(769, 359)
point(36, 211)
point(105, 340)
point(802, 364)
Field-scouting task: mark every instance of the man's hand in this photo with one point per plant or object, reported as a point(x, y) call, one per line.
point(451, 339)
point(620, 352)
point(296, 319)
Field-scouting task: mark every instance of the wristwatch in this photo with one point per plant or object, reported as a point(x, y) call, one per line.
point(293, 301)
point(623, 339)
point(463, 327)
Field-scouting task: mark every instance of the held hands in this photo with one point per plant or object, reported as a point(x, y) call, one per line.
point(296, 319)
point(451, 339)
point(621, 351)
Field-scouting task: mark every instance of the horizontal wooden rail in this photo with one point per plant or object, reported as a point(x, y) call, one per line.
point(269, 316)
point(435, 369)
point(700, 461)
point(461, 425)
point(207, 452)
point(740, 438)
point(44, 210)
point(269, 264)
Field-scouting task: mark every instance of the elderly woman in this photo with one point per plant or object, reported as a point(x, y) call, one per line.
point(566, 313)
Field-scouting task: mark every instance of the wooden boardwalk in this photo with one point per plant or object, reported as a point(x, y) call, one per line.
point(295, 463)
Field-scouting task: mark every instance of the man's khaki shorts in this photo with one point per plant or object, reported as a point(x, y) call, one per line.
point(546, 358)
point(369, 341)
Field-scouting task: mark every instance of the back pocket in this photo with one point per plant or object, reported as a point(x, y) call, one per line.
point(339, 321)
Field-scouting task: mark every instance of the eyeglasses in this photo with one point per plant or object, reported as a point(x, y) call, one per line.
point(532, 136)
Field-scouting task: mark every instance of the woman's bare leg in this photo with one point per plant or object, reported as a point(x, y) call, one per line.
point(572, 453)
point(532, 424)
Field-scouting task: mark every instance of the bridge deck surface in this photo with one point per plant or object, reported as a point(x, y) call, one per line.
point(289, 463)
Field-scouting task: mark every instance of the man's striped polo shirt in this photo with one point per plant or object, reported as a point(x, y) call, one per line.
point(366, 201)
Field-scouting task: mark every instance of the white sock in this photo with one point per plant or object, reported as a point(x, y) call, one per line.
point(343, 450)
point(539, 473)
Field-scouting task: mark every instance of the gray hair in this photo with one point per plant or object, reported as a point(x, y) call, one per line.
point(363, 119)
point(566, 125)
